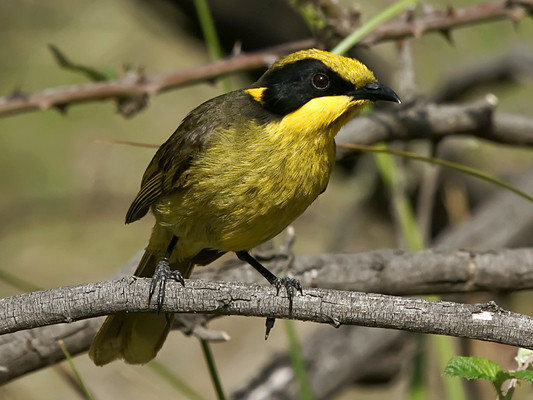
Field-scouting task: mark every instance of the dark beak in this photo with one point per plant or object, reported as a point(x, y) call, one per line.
point(375, 91)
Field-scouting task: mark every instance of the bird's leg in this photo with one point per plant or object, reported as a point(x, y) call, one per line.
point(290, 284)
point(162, 273)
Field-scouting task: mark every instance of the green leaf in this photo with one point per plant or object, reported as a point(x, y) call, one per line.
point(64, 62)
point(526, 375)
point(473, 368)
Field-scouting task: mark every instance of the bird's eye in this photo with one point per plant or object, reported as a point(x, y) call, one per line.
point(320, 81)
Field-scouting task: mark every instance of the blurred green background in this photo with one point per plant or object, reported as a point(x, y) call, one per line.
point(64, 195)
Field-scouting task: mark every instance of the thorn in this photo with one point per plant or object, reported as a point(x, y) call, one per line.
point(409, 15)
point(269, 325)
point(400, 44)
point(354, 14)
point(515, 16)
point(237, 48)
point(290, 238)
point(129, 106)
point(62, 108)
point(447, 35)
point(450, 11)
point(141, 74)
point(17, 94)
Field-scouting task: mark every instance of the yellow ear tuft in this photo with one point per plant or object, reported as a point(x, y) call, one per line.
point(257, 94)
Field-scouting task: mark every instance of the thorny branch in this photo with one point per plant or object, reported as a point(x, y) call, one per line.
point(133, 91)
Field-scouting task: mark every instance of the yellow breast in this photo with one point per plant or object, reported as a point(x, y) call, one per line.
point(248, 186)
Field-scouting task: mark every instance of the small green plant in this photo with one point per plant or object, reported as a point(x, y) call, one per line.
point(481, 368)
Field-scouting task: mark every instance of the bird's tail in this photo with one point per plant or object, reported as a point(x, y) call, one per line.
point(136, 337)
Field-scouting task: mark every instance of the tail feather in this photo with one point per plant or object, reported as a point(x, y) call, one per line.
point(135, 337)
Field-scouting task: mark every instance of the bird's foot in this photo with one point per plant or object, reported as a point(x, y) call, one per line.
point(159, 280)
point(291, 285)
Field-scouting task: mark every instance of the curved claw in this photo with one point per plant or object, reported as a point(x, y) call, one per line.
point(290, 285)
point(159, 280)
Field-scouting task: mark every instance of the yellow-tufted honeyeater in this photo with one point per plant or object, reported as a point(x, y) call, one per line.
point(237, 171)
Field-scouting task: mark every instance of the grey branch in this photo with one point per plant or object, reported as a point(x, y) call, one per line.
point(437, 121)
point(333, 358)
point(399, 272)
point(384, 271)
point(67, 304)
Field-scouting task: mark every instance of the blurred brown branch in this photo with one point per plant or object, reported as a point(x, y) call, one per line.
point(133, 91)
point(136, 85)
point(445, 21)
point(66, 304)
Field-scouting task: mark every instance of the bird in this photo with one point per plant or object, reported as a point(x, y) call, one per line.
point(236, 172)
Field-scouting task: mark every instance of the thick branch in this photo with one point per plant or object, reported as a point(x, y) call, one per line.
point(437, 121)
point(138, 87)
point(383, 271)
point(398, 272)
point(67, 304)
point(431, 271)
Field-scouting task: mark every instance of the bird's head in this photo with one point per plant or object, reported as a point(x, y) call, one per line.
point(320, 81)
